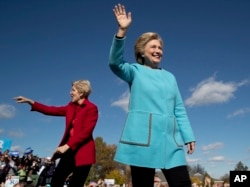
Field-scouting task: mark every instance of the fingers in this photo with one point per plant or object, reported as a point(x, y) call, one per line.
point(21, 99)
point(57, 151)
point(129, 16)
point(119, 10)
point(123, 18)
point(18, 99)
point(191, 147)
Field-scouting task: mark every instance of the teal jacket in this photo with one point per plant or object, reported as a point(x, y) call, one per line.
point(157, 125)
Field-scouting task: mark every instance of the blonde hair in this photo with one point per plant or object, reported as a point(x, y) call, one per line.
point(142, 41)
point(83, 86)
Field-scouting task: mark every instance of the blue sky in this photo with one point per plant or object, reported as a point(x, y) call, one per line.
point(45, 45)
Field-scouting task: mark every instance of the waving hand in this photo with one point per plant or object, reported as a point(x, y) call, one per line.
point(123, 18)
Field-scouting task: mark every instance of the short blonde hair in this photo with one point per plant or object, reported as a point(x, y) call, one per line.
point(142, 41)
point(83, 86)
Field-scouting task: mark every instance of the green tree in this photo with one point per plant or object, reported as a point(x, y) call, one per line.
point(104, 160)
point(105, 163)
point(240, 167)
point(117, 175)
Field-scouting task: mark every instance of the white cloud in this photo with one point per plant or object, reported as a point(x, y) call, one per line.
point(123, 101)
point(217, 158)
point(6, 111)
point(240, 112)
point(16, 133)
point(193, 160)
point(216, 145)
point(211, 91)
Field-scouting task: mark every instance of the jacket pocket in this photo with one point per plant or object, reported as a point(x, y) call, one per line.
point(137, 130)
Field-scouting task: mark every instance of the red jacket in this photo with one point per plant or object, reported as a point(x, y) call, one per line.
point(85, 118)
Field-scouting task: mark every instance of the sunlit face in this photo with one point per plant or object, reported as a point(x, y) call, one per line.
point(153, 53)
point(75, 95)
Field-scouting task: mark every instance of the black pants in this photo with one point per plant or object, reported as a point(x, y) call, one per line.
point(176, 177)
point(65, 167)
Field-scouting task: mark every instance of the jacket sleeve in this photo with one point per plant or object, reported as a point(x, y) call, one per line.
point(49, 110)
point(117, 64)
point(84, 127)
point(182, 119)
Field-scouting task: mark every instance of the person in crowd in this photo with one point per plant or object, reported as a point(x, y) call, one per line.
point(32, 168)
point(6, 169)
point(77, 147)
point(2, 162)
point(50, 169)
point(157, 126)
point(21, 172)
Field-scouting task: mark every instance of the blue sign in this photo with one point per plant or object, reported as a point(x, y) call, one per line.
point(14, 153)
point(5, 144)
point(28, 150)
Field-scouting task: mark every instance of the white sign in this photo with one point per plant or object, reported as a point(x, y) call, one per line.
point(11, 181)
point(109, 181)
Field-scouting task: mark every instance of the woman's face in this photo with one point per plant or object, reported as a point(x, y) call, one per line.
point(153, 53)
point(75, 95)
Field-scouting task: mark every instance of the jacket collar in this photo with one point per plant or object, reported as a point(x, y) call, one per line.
point(84, 103)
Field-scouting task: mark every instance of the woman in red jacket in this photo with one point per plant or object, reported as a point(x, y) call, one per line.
point(77, 147)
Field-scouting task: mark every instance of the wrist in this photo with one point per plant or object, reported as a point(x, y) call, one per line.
point(121, 33)
point(66, 146)
point(118, 37)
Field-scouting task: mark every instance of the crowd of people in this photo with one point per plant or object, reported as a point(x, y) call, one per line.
point(32, 170)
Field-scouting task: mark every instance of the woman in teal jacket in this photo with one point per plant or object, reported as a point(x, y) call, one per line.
point(157, 126)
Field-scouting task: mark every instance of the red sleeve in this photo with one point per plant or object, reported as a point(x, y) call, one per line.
point(49, 110)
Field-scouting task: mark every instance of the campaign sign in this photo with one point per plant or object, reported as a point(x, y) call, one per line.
point(5, 144)
point(239, 178)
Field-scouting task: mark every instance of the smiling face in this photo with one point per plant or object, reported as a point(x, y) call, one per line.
point(76, 97)
point(148, 49)
point(152, 53)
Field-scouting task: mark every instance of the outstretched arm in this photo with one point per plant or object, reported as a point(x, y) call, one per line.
point(123, 19)
point(39, 107)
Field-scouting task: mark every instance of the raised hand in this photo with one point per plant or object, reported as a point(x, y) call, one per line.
point(123, 18)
